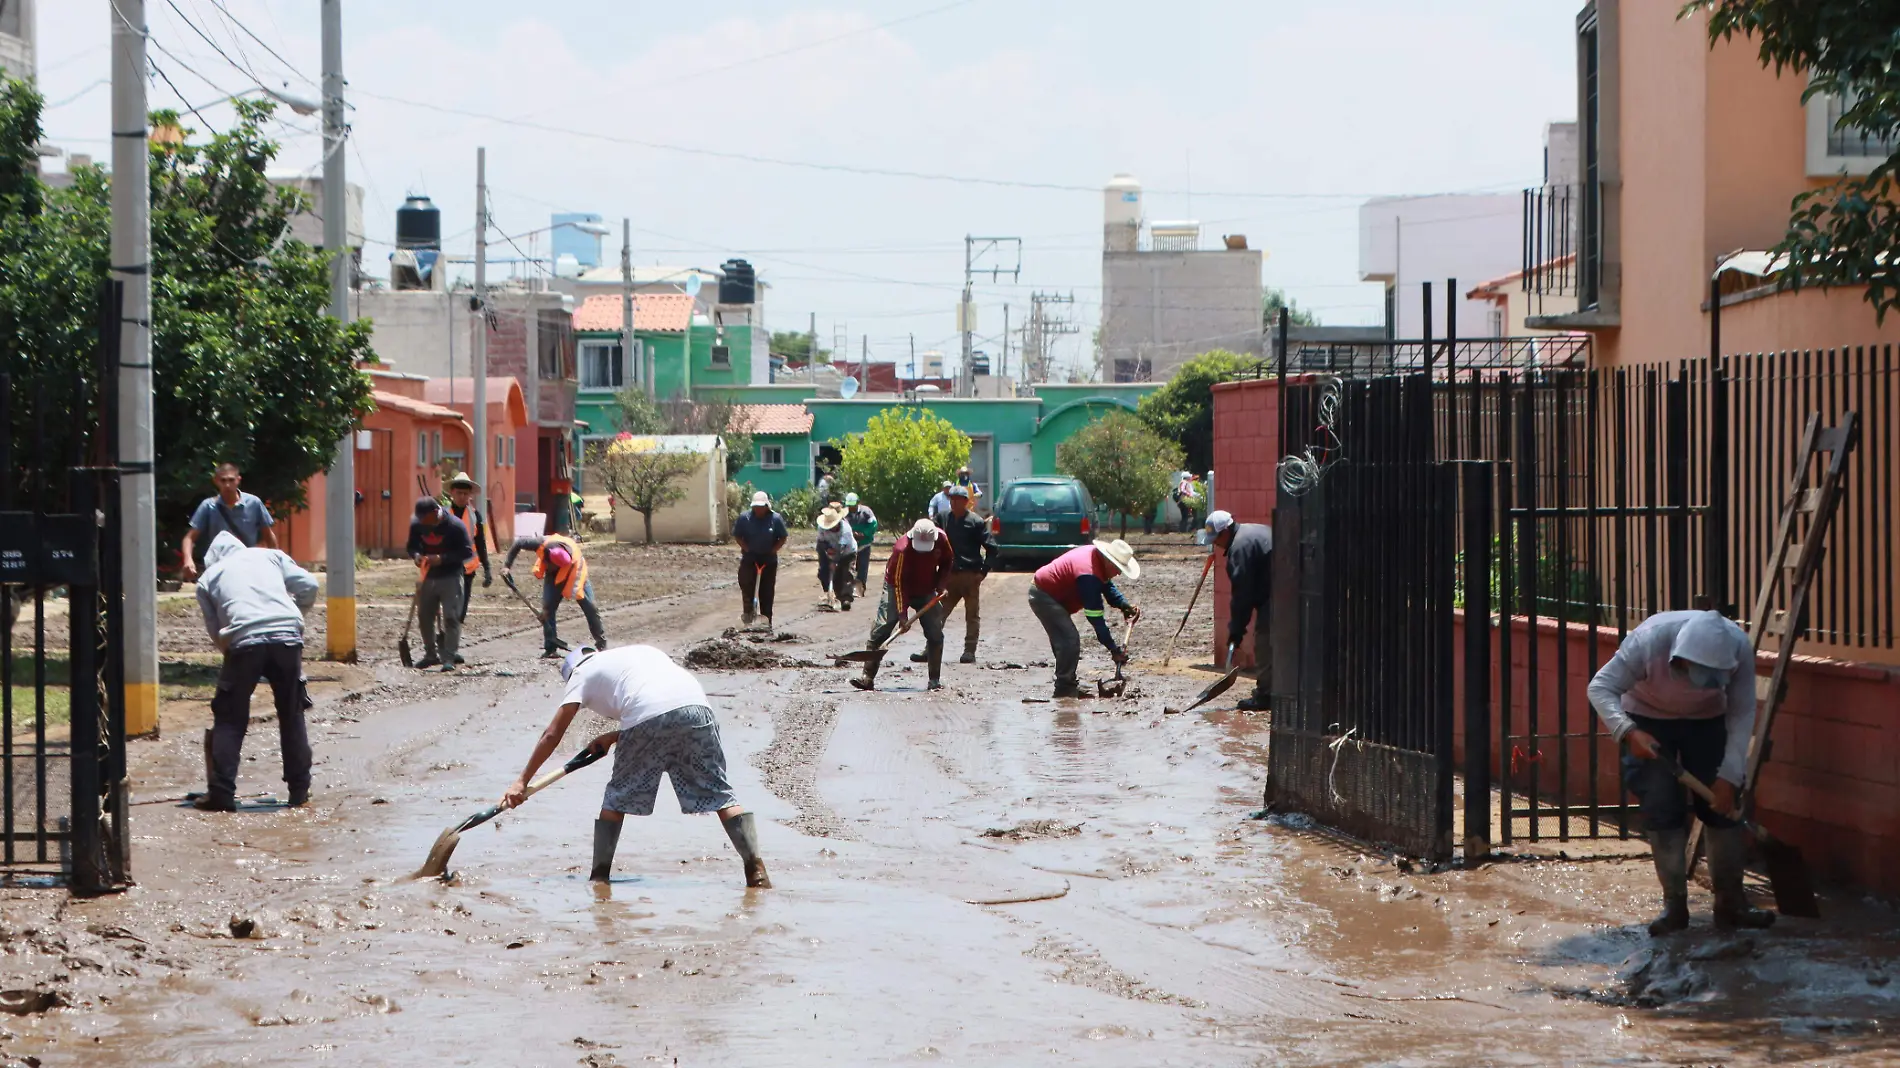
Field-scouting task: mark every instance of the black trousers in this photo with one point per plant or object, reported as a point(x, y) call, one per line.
point(281, 664)
point(468, 594)
point(760, 574)
point(1699, 745)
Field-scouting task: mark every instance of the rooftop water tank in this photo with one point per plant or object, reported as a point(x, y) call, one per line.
point(1121, 214)
point(737, 282)
point(418, 223)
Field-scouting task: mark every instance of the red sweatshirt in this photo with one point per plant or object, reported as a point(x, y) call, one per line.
point(918, 575)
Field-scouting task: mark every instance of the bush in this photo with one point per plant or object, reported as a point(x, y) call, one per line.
point(798, 506)
point(896, 465)
point(1183, 410)
point(1125, 465)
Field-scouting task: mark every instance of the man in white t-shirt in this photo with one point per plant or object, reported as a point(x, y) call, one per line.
point(665, 726)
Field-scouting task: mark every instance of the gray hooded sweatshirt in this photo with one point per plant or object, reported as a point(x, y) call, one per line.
point(252, 596)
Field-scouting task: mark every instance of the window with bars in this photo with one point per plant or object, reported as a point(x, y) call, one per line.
point(602, 365)
point(772, 457)
point(1834, 149)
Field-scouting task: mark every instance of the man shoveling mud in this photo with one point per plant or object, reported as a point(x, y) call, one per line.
point(1248, 548)
point(915, 576)
point(1080, 580)
point(1681, 691)
point(837, 551)
point(562, 569)
point(665, 726)
point(253, 602)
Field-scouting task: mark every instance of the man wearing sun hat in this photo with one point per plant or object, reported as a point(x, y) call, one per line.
point(760, 533)
point(666, 725)
point(1249, 551)
point(837, 549)
point(916, 575)
point(1082, 580)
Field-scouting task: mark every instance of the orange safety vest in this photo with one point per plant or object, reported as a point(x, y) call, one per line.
point(574, 582)
point(475, 533)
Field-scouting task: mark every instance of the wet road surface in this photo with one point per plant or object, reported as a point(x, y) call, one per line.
point(962, 878)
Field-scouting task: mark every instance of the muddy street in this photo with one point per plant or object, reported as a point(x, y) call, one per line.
point(971, 876)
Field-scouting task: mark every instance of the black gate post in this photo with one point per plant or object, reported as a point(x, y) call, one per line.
point(1715, 520)
point(1676, 487)
point(1477, 581)
point(90, 868)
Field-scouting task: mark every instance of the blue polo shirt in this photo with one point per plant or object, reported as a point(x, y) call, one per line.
point(758, 536)
point(246, 519)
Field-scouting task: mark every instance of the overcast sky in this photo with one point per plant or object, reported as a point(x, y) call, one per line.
point(1269, 118)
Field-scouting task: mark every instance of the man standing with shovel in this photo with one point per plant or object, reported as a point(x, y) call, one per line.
point(973, 553)
point(665, 726)
point(562, 569)
point(760, 533)
point(461, 505)
point(1681, 692)
point(913, 580)
point(1248, 548)
point(1082, 580)
point(439, 544)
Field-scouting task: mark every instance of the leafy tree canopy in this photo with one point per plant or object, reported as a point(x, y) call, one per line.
point(1183, 410)
point(643, 476)
point(1272, 300)
point(896, 465)
point(796, 347)
point(247, 364)
point(1124, 464)
point(641, 416)
point(1843, 233)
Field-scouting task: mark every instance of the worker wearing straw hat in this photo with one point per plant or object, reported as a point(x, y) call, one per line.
point(1082, 580)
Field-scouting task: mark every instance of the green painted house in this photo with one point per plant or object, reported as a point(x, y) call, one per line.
point(688, 354)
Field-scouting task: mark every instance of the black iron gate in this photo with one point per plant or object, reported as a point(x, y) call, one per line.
point(62, 718)
point(1362, 733)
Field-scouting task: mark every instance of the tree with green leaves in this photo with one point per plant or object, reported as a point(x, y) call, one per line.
point(1125, 465)
point(1272, 300)
point(640, 415)
point(897, 464)
point(1845, 232)
point(796, 347)
point(1183, 410)
point(247, 363)
point(642, 475)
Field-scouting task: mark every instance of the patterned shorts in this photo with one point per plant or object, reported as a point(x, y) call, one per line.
point(683, 743)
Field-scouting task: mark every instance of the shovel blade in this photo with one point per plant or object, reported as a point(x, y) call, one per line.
point(860, 656)
point(1220, 686)
point(1788, 878)
point(437, 864)
point(402, 650)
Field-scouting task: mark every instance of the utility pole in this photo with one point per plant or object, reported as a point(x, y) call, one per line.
point(131, 265)
point(864, 362)
point(1003, 370)
point(913, 356)
point(626, 301)
point(811, 350)
point(478, 357)
point(966, 312)
point(1044, 327)
point(339, 521)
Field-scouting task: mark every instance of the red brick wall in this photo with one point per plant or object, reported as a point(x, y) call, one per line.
point(1831, 784)
point(1246, 446)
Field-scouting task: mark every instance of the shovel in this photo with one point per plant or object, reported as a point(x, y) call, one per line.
point(1118, 685)
point(1220, 686)
point(509, 581)
point(1205, 568)
point(875, 654)
point(437, 865)
point(1787, 871)
point(402, 644)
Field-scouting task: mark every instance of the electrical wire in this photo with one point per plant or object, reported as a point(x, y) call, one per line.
point(239, 23)
point(206, 38)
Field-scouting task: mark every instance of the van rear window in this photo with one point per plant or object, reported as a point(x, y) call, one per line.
point(1041, 499)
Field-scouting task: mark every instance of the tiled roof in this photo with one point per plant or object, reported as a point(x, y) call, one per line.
point(773, 418)
point(396, 402)
point(659, 313)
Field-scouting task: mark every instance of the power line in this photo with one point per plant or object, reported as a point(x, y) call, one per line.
point(206, 38)
point(235, 21)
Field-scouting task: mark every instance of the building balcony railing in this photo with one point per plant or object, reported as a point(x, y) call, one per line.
point(1553, 228)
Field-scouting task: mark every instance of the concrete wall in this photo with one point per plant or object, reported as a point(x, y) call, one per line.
point(432, 334)
point(1168, 307)
point(17, 37)
point(1246, 455)
point(1407, 241)
point(698, 518)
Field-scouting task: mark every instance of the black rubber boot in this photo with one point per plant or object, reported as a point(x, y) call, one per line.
point(1068, 689)
point(299, 796)
point(606, 837)
point(969, 655)
point(933, 656)
point(920, 658)
point(868, 680)
point(1728, 854)
point(1669, 850)
point(214, 803)
point(745, 838)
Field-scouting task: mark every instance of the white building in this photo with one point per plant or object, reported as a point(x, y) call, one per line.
point(1405, 242)
point(16, 39)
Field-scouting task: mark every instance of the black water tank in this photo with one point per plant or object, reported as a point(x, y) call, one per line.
point(738, 283)
point(418, 224)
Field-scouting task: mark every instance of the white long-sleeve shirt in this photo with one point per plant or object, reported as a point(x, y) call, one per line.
point(1652, 642)
point(839, 539)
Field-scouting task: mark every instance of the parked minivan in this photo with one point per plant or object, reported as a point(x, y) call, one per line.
point(1036, 520)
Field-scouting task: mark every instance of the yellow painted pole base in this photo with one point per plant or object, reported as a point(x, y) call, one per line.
point(141, 708)
point(340, 639)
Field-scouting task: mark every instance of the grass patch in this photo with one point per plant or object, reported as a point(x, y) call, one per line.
point(59, 707)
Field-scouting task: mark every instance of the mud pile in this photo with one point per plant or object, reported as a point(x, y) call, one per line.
point(726, 654)
point(1028, 829)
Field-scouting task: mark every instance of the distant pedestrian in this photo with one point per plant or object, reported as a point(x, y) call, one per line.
point(1248, 549)
point(972, 554)
point(837, 550)
point(863, 528)
point(666, 727)
point(461, 497)
point(440, 546)
point(230, 509)
point(968, 482)
point(1188, 497)
point(760, 533)
point(940, 504)
point(253, 602)
point(562, 569)
point(823, 491)
point(918, 568)
point(1082, 580)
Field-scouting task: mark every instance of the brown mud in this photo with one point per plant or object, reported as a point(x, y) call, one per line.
point(1168, 928)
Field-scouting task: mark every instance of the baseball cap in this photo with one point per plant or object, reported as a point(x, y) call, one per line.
point(958, 491)
point(850, 498)
point(761, 499)
point(923, 535)
point(427, 506)
point(1218, 521)
point(573, 660)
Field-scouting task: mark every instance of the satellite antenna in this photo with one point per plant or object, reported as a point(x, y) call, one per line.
point(692, 284)
point(848, 388)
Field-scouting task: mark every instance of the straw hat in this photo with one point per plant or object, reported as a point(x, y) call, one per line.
point(1122, 555)
point(462, 480)
point(829, 519)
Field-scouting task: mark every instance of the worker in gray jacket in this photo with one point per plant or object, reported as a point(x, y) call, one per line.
point(253, 602)
point(1248, 548)
point(1680, 693)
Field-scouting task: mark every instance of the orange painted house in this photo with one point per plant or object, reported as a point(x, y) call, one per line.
point(510, 437)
